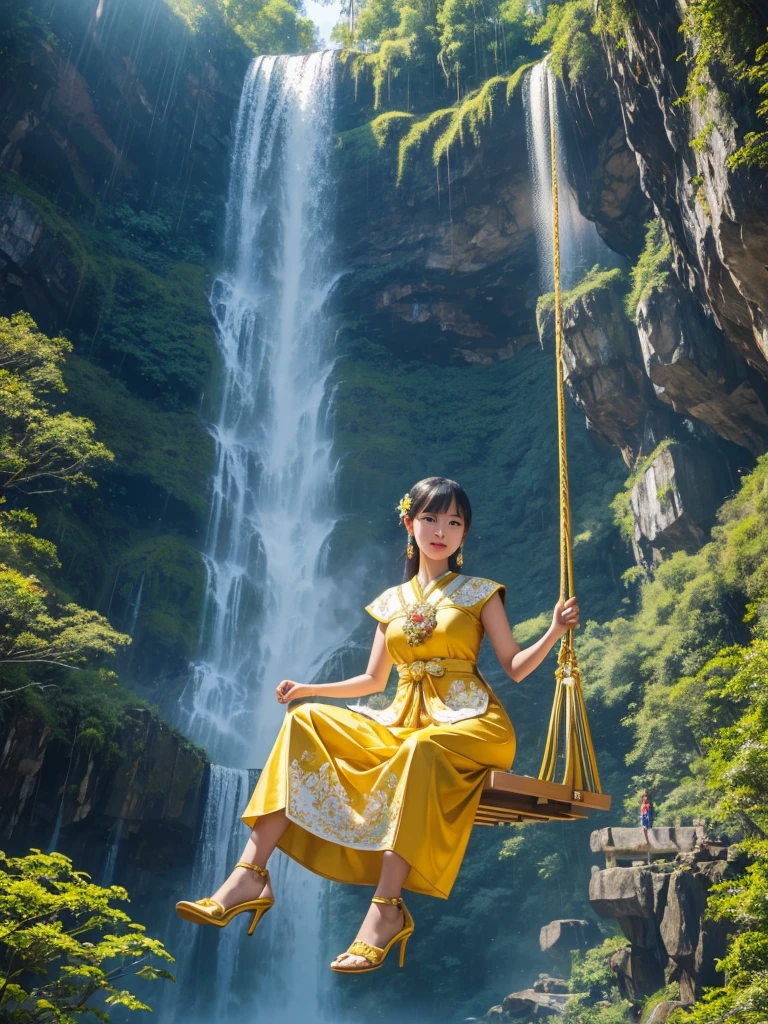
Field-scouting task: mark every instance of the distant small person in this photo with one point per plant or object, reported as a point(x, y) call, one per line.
point(646, 815)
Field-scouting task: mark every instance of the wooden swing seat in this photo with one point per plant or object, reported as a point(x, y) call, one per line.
point(509, 799)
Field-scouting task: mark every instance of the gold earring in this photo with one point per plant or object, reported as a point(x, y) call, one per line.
point(460, 556)
point(409, 551)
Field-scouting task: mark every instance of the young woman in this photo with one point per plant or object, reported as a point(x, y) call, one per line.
point(387, 796)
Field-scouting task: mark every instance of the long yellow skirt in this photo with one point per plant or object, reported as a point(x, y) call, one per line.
point(353, 788)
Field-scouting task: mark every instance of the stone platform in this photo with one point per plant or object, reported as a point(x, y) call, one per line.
point(625, 846)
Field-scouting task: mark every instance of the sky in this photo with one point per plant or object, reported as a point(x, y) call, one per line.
point(324, 17)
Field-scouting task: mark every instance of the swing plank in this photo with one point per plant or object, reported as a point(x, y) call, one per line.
point(509, 799)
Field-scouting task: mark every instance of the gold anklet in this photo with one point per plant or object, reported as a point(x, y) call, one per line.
point(253, 867)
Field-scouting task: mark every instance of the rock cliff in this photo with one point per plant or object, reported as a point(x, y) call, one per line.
point(660, 908)
point(145, 775)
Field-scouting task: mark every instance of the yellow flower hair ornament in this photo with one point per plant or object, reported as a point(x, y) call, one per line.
point(403, 505)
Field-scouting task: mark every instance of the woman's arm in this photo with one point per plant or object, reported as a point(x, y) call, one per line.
point(515, 661)
point(373, 680)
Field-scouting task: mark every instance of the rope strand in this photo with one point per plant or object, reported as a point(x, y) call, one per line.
point(580, 771)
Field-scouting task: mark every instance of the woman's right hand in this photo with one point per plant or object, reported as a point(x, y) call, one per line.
point(288, 690)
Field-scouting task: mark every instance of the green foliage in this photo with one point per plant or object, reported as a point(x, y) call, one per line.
point(612, 17)
point(726, 34)
point(594, 280)
point(63, 943)
point(266, 26)
point(152, 329)
point(477, 112)
point(744, 903)
point(569, 32)
point(385, 132)
point(754, 151)
point(684, 675)
point(39, 629)
point(590, 971)
point(722, 32)
point(579, 1011)
point(20, 28)
point(40, 449)
point(621, 505)
point(421, 134)
point(468, 40)
point(652, 268)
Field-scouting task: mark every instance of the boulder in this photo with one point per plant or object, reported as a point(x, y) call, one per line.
point(639, 972)
point(529, 1003)
point(559, 937)
point(683, 913)
point(675, 500)
point(545, 983)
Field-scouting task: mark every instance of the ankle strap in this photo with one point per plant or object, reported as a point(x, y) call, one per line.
point(253, 867)
point(393, 901)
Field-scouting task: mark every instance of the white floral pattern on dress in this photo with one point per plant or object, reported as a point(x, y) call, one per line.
point(384, 716)
point(464, 699)
point(318, 802)
point(385, 605)
point(475, 589)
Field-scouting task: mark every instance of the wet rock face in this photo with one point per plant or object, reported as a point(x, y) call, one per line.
point(444, 265)
point(153, 783)
point(675, 500)
point(662, 914)
point(116, 105)
point(717, 218)
point(604, 169)
point(603, 368)
point(36, 274)
point(695, 371)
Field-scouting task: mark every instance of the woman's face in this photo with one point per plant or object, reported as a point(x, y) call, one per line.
point(438, 534)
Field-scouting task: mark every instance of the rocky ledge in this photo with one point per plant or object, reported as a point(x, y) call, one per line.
point(660, 908)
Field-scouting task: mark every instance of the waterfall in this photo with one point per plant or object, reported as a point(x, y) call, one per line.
point(272, 610)
point(580, 245)
point(108, 874)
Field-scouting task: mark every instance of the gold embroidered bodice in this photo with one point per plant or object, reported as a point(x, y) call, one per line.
point(438, 679)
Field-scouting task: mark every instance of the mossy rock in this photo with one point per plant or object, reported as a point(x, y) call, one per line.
point(163, 450)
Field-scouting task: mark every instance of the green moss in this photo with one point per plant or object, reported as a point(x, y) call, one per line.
point(153, 329)
point(476, 112)
point(167, 451)
point(594, 280)
point(421, 134)
point(172, 595)
point(652, 268)
point(623, 516)
point(363, 144)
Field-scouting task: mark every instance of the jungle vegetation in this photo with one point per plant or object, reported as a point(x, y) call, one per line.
point(66, 951)
point(675, 679)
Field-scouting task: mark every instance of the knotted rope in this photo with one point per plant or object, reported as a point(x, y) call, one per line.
point(580, 771)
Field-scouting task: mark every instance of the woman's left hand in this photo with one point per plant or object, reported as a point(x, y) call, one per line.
point(565, 616)
point(288, 690)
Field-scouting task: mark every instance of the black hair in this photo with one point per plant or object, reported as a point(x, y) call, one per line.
point(436, 494)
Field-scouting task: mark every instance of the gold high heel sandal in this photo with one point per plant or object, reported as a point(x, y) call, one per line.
point(373, 954)
point(220, 917)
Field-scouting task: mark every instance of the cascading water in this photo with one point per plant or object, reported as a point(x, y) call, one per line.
point(580, 245)
point(272, 610)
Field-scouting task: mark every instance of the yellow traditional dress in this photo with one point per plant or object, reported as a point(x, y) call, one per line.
point(357, 781)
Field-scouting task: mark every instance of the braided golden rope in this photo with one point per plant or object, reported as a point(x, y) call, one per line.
point(580, 772)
